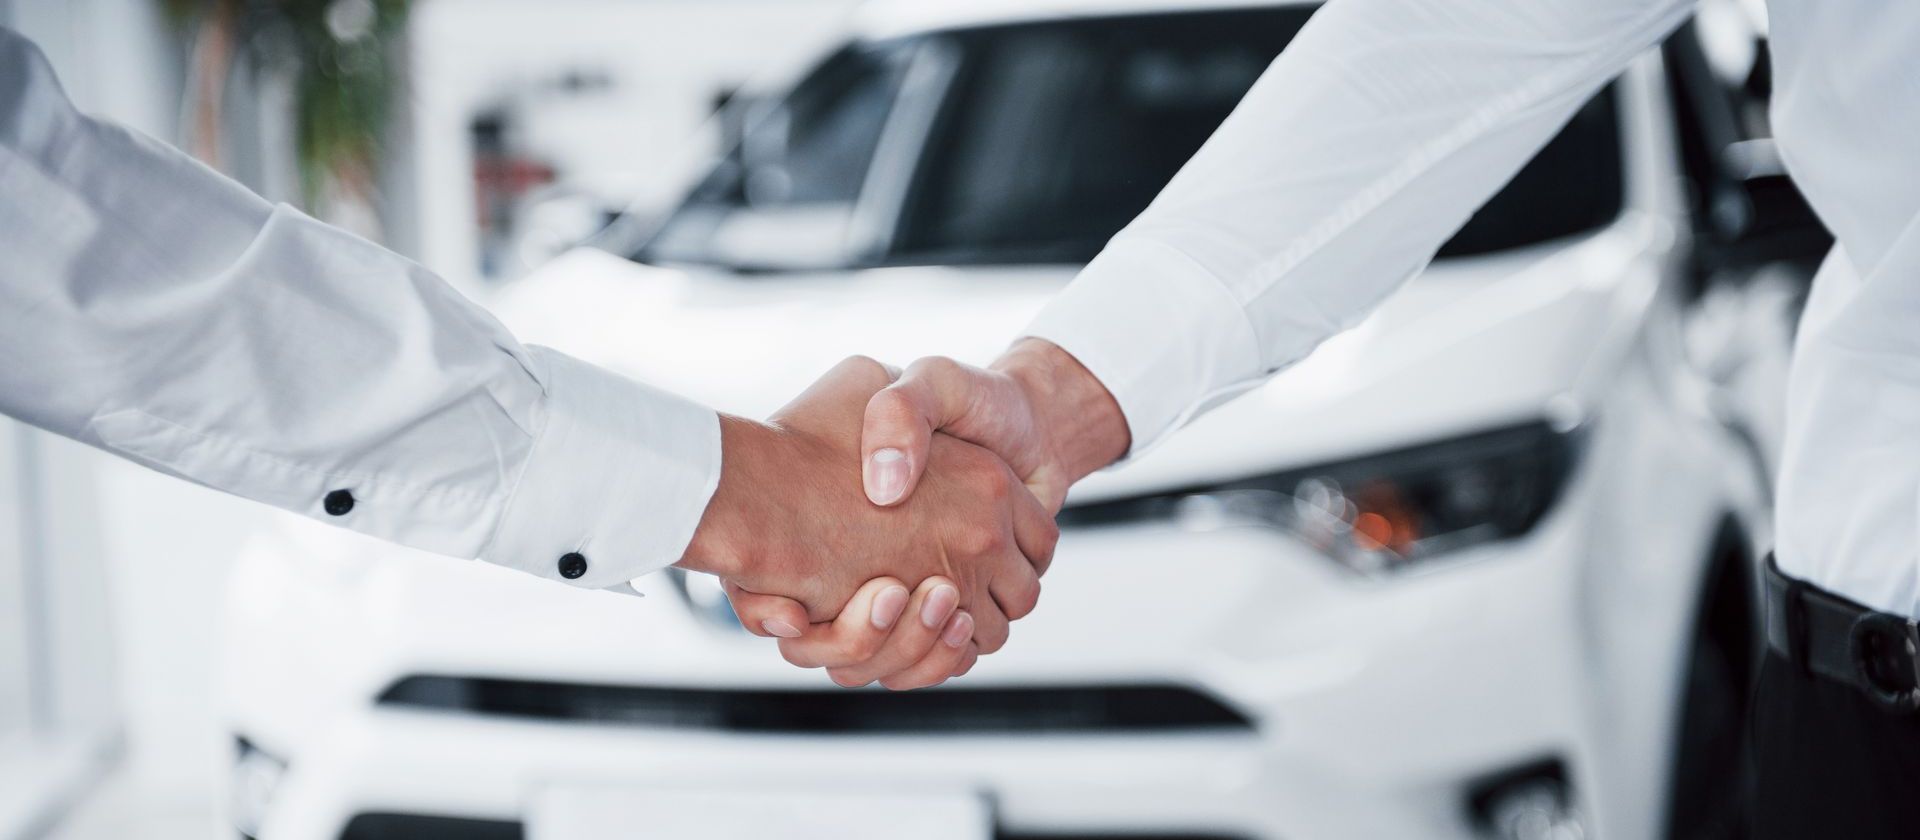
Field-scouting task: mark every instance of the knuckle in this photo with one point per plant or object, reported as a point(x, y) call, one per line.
point(1049, 541)
point(846, 679)
point(863, 646)
point(991, 636)
point(996, 539)
point(893, 407)
point(857, 362)
point(933, 367)
point(862, 369)
point(899, 683)
point(997, 484)
point(1022, 601)
point(1023, 605)
point(981, 540)
point(927, 672)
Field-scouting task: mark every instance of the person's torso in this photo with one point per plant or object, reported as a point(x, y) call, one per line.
point(1846, 112)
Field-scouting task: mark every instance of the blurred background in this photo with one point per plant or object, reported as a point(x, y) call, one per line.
point(1481, 568)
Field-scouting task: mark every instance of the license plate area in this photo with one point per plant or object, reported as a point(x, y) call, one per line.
point(593, 812)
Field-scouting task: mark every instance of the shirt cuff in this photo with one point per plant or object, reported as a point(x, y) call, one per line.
point(1163, 334)
point(619, 476)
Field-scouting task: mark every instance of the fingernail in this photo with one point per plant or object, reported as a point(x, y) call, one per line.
point(780, 628)
point(888, 605)
point(959, 630)
point(940, 603)
point(886, 476)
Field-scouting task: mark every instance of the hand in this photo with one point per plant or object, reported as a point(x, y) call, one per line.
point(884, 634)
point(788, 517)
point(1038, 408)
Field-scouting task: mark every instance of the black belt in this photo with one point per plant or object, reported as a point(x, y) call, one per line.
point(1877, 653)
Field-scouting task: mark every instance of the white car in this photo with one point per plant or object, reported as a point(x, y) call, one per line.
point(1479, 568)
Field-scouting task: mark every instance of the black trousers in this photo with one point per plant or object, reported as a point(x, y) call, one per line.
point(1830, 763)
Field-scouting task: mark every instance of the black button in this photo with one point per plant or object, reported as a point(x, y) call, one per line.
point(573, 564)
point(339, 502)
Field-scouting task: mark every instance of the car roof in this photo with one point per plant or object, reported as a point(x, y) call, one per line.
point(891, 18)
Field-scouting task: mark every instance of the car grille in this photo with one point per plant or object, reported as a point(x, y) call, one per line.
point(421, 827)
point(960, 711)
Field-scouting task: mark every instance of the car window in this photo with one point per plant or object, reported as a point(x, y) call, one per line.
point(817, 147)
point(1057, 135)
point(791, 186)
point(1052, 136)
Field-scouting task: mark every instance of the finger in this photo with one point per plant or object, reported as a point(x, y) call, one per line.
point(966, 662)
point(934, 604)
point(766, 615)
point(1015, 594)
point(956, 638)
point(1015, 585)
point(900, 421)
point(1034, 530)
point(856, 634)
point(989, 625)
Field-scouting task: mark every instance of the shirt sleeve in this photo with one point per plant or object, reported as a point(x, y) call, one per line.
point(157, 310)
point(1369, 142)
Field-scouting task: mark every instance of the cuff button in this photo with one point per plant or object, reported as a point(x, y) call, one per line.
point(338, 503)
point(573, 564)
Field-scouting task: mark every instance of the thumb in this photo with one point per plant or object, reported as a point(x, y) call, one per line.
point(901, 418)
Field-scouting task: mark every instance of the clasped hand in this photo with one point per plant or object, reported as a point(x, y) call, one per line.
point(890, 527)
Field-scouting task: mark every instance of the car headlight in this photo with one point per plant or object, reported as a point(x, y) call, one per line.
point(1381, 513)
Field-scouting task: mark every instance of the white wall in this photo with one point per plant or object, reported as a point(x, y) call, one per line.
point(132, 562)
point(114, 57)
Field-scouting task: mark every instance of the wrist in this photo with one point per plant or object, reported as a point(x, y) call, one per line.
point(1079, 414)
point(721, 543)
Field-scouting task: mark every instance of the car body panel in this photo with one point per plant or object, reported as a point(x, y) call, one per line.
point(1416, 369)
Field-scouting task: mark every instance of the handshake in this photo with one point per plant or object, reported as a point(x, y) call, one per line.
point(888, 527)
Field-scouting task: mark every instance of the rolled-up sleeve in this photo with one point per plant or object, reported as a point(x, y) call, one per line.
point(1369, 142)
point(155, 309)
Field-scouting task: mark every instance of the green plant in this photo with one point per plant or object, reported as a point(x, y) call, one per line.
point(339, 54)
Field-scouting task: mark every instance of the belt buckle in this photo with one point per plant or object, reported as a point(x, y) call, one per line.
point(1903, 637)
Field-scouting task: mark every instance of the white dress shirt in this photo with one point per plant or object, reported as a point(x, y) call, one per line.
point(159, 311)
point(1384, 125)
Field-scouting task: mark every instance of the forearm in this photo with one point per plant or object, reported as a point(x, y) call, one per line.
point(157, 310)
point(1371, 140)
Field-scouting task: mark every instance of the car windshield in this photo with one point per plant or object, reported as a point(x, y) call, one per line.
point(1035, 143)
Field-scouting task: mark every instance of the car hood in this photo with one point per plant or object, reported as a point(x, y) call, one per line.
point(1472, 342)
